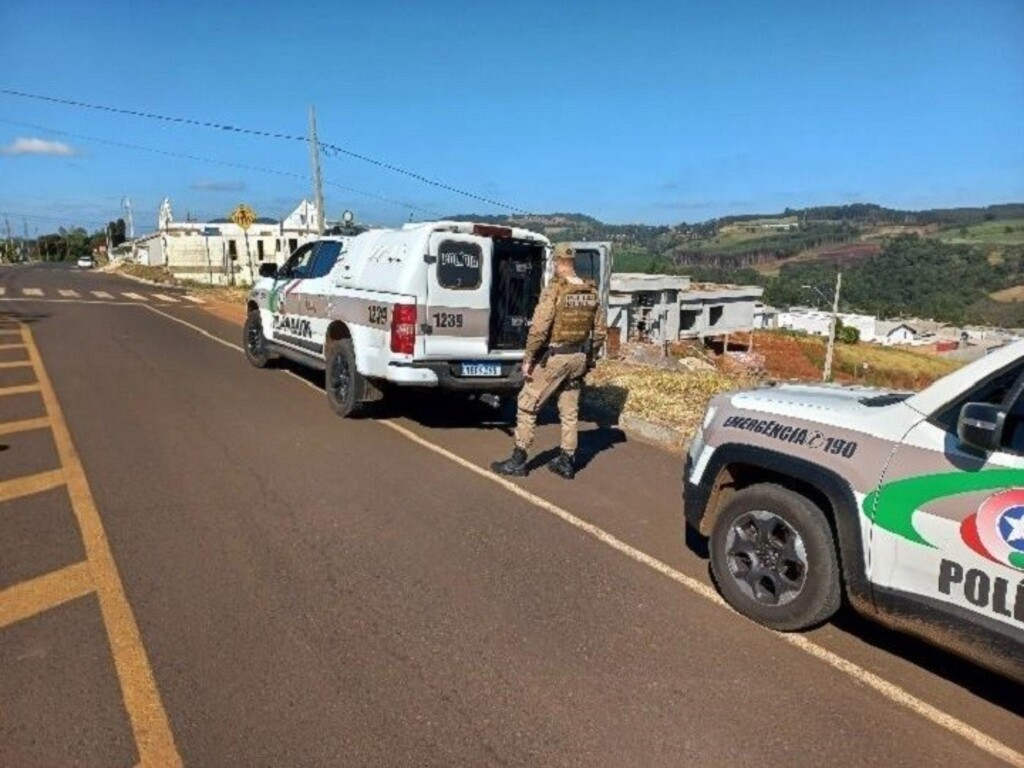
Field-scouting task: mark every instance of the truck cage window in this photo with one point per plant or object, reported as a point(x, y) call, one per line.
point(459, 265)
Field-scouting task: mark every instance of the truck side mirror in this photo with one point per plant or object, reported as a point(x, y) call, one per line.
point(268, 269)
point(981, 426)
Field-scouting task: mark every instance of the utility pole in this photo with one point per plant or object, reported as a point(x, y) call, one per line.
point(9, 249)
point(830, 352)
point(128, 213)
point(318, 185)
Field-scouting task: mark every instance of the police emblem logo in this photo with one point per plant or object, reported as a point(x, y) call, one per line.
point(996, 530)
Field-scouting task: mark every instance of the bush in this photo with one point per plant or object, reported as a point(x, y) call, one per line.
point(848, 335)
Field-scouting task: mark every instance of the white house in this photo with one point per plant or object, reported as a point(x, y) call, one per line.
point(810, 321)
point(896, 334)
point(818, 322)
point(219, 251)
point(866, 325)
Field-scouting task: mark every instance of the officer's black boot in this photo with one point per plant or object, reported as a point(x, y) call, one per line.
point(562, 465)
point(514, 465)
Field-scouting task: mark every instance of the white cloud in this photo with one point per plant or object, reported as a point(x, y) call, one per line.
point(23, 146)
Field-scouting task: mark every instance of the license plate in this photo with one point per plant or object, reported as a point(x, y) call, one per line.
point(481, 369)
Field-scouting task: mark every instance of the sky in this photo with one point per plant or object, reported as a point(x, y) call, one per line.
point(653, 112)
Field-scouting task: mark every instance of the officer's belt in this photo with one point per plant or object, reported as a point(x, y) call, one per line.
point(566, 349)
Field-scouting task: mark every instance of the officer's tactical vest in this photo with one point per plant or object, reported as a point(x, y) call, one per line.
point(575, 309)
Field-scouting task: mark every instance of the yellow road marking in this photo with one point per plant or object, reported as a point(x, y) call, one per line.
point(21, 389)
point(43, 593)
point(30, 484)
point(10, 427)
point(17, 364)
point(153, 736)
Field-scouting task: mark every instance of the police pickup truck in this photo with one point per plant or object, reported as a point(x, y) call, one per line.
point(910, 505)
point(438, 304)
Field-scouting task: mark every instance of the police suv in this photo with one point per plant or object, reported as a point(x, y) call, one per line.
point(910, 505)
point(438, 304)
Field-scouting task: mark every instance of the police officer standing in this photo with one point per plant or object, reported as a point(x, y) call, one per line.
point(566, 334)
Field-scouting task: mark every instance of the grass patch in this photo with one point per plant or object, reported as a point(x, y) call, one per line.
point(153, 274)
point(1008, 295)
point(1005, 232)
point(674, 399)
point(790, 356)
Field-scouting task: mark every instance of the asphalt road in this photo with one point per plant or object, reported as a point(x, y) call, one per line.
point(306, 590)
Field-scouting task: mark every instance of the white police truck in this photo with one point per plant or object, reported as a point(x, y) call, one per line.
point(440, 304)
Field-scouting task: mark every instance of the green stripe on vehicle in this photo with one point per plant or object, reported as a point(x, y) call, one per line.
point(893, 505)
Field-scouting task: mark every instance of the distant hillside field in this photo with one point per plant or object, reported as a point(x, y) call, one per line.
point(1004, 232)
point(956, 265)
point(1014, 293)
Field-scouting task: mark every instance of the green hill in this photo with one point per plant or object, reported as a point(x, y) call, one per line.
point(941, 263)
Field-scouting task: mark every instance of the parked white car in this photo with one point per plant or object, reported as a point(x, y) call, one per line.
point(85, 262)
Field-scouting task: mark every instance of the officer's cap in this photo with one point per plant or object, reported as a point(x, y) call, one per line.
point(564, 251)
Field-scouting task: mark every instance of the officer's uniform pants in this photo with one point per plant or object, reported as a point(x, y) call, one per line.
point(559, 373)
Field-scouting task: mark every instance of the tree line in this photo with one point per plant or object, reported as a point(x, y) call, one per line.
point(66, 244)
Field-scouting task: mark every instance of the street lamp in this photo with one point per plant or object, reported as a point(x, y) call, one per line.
point(826, 373)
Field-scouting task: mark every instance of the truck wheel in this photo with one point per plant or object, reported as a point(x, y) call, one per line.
point(774, 558)
point(254, 342)
point(343, 382)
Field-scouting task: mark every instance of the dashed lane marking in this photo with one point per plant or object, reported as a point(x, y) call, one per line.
point(102, 295)
point(12, 346)
point(67, 293)
point(193, 299)
point(26, 425)
point(32, 291)
point(29, 485)
point(44, 592)
point(887, 690)
point(134, 296)
point(21, 389)
point(17, 364)
point(3, 290)
point(164, 297)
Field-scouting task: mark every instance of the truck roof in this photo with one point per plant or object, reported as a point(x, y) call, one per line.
point(467, 227)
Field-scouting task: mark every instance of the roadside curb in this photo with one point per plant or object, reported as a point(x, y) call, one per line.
point(659, 435)
point(144, 281)
point(650, 431)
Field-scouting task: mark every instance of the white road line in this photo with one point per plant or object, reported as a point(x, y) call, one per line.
point(890, 691)
point(68, 293)
point(32, 291)
point(134, 296)
point(163, 297)
point(193, 299)
point(102, 295)
point(3, 290)
point(196, 328)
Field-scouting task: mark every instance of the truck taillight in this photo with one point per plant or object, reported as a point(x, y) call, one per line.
point(403, 329)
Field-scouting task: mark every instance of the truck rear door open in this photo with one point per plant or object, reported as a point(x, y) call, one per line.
point(455, 320)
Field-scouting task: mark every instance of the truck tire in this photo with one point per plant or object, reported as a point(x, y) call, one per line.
point(774, 558)
point(343, 383)
point(254, 342)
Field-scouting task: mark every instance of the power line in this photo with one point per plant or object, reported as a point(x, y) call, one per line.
point(224, 163)
point(331, 150)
